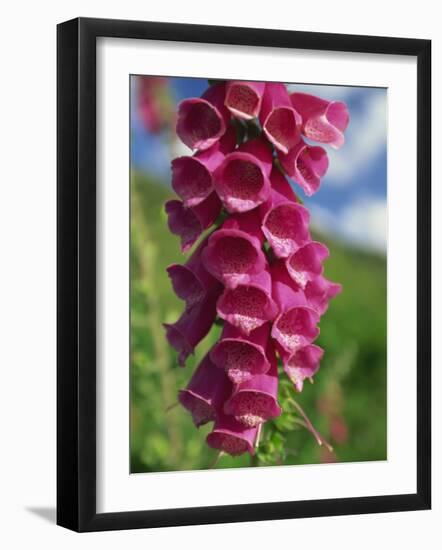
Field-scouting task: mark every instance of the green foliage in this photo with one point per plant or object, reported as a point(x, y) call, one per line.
point(350, 384)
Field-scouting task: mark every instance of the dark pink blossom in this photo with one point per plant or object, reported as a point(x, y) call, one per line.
point(256, 400)
point(295, 326)
point(241, 356)
point(234, 252)
point(284, 221)
point(305, 164)
point(319, 292)
point(323, 121)
point(192, 177)
point(154, 103)
point(232, 437)
point(302, 364)
point(193, 325)
point(280, 121)
point(243, 99)
point(306, 263)
point(189, 223)
point(191, 281)
point(202, 121)
point(249, 306)
point(206, 392)
point(242, 179)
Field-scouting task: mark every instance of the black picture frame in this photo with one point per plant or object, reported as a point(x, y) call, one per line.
point(76, 273)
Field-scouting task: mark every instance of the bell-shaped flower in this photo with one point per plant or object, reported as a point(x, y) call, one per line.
point(202, 121)
point(322, 120)
point(284, 221)
point(306, 165)
point(302, 364)
point(192, 176)
point(295, 326)
point(307, 262)
point(206, 392)
point(232, 437)
point(241, 356)
point(243, 99)
point(281, 123)
point(233, 253)
point(193, 325)
point(256, 400)
point(319, 292)
point(242, 179)
point(191, 281)
point(249, 306)
point(189, 223)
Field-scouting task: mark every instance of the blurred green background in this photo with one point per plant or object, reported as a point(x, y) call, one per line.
point(346, 403)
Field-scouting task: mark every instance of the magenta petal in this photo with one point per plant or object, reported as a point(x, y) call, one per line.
point(193, 325)
point(256, 400)
point(191, 281)
point(285, 222)
point(232, 437)
point(250, 305)
point(192, 176)
point(306, 264)
point(241, 356)
point(206, 392)
point(280, 121)
point(306, 165)
point(295, 326)
point(302, 364)
point(323, 121)
point(242, 179)
point(202, 121)
point(189, 223)
point(319, 292)
point(234, 251)
point(243, 99)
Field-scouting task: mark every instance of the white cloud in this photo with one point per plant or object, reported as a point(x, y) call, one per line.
point(362, 222)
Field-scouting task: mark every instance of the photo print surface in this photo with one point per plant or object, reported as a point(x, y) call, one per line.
point(258, 274)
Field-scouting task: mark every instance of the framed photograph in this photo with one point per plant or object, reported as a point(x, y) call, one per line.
point(243, 274)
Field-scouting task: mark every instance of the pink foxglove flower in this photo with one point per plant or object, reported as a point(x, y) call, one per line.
point(189, 223)
point(191, 281)
point(243, 99)
point(192, 177)
point(302, 364)
point(202, 121)
point(319, 292)
point(232, 437)
point(295, 326)
point(323, 121)
point(241, 356)
point(281, 123)
point(193, 325)
point(242, 180)
point(259, 271)
point(306, 165)
point(206, 392)
point(256, 400)
point(249, 306)
point(234, 252)
point(284, 221)
point(306, 263)
point(154, 103)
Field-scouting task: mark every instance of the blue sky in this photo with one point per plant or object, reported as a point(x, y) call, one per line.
point(351, 203)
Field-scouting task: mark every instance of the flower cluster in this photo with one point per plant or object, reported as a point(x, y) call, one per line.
point(154, 103)
point(258, 269)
